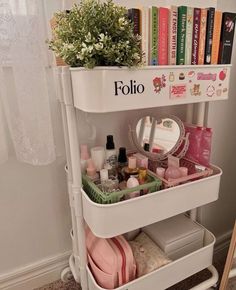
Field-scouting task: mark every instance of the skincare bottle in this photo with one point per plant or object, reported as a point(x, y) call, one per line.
point(142, 175)
point(84, 156)
point(122, 163)
point(110, 154)
point(160, 171)
point(131, 169)
point(98, 157)
point(91, 170)
point(132, 182)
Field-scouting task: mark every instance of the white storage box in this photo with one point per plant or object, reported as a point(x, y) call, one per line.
point(176, 236)
point(109, 89)
point(172, 273)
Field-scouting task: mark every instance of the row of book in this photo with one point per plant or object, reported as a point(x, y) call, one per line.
point(184, 35)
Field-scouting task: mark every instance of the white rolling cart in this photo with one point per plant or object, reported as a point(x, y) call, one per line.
point(76, 92)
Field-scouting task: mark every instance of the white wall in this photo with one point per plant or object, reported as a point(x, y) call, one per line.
point(219, 216)
point(34, 210)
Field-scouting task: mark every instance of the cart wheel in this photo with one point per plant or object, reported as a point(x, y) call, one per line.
point(66, 275)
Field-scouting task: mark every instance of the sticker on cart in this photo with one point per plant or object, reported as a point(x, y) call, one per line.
point(206, 77)
point(178, 91)
point(210, 91)
point(159, 83)
point(223, 74)
point(195, 90)
point(191, 74)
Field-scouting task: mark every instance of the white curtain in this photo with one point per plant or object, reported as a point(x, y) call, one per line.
point(26, 84)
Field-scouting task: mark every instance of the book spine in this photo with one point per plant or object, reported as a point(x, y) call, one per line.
point(216, 37)
point(172, 35)
point(181, 34)
point(209, 35)
point(144, 33)
point(153, 36)
point(196, 34)
point(163, 36)
point(202, 37)
point(227, 37)
point(134, 16)
point(189, 36)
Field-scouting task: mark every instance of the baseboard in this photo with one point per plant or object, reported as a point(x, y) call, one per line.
point(222, 245)
point(35, 275)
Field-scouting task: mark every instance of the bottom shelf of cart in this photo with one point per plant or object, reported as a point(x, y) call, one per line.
point(172, 273)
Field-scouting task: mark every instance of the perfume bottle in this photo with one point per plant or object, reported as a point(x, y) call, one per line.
point(108, 183)
point(131, 169)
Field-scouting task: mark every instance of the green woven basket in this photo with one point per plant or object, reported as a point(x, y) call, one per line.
point(96, 195)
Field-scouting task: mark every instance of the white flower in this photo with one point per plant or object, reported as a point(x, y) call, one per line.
point(84, 45)
point(98, 46)
point(88, 37)
point(101, 36)
point(136, 55)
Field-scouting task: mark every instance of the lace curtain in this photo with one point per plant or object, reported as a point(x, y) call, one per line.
point(26, 83)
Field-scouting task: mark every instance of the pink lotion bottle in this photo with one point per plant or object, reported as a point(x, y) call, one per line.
point(84, 156)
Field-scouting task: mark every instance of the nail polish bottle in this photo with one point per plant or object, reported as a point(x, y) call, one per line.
point(146, 147)
point(122, 163)
point(131, 169)
point(142, 175)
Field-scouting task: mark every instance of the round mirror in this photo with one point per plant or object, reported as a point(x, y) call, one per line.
point(157, 138)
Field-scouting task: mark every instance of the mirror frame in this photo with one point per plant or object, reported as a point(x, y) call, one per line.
point(156, 156)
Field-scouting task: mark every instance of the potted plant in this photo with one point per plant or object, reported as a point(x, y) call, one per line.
point(95, 33)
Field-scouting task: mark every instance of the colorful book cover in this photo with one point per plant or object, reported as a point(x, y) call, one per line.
point(209, 35)
point(196, 34)
point(144, 33)
point(163, 36)
point(227, 37)
point(181, 34)
point(189, 36)
point(216, 37)
point(134, 16)
point(153, 36)
point(202, 37)
point(172, 35)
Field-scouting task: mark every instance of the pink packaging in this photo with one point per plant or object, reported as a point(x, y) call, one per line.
point(205, 151)
point(199, 144)
point(111, 260)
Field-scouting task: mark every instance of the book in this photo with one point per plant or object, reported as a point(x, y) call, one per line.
point(134, 16)
point(227, 37)
point(196, 34)
point(202, 36)
point(172, 35)
point(153, 36)
point(189, 36)
point(163, 19)
point(216, 37)
point(145, 33)
point(209, 34)
point(181, 34)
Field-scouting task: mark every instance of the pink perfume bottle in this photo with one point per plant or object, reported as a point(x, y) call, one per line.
point(205, 153)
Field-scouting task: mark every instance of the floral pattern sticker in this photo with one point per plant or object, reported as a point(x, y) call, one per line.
point(159, 83)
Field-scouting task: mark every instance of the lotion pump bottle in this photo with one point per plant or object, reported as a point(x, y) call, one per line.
point(111, 154)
